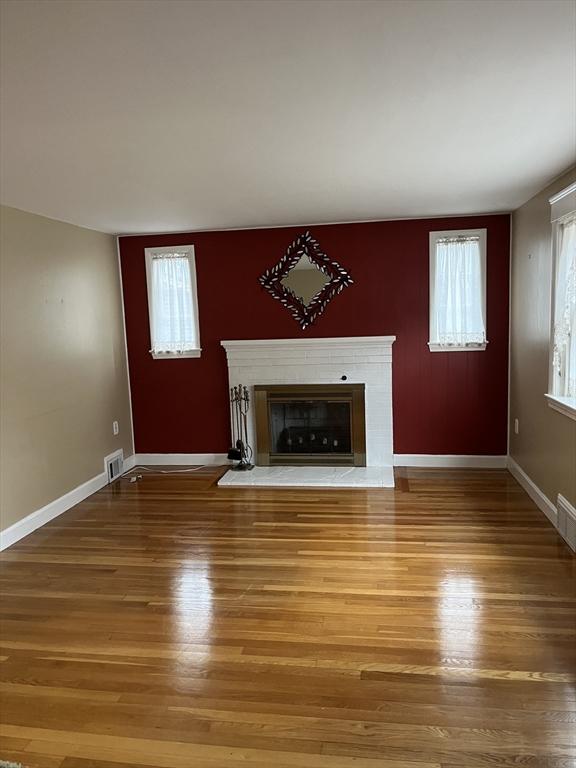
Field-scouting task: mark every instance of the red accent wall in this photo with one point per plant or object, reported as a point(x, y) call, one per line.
point(444, 403)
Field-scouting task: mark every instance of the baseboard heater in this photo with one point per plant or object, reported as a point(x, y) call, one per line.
point(566, 521)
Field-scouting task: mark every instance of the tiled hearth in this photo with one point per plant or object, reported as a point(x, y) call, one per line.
point(351, 360)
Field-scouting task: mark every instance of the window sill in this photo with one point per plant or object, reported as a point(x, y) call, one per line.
point(434, 347)
point(176, 355)
point(565, 405)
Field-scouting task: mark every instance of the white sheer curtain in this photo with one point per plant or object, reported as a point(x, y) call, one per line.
point(457, 316)
point(564, 359)
point(172, 312)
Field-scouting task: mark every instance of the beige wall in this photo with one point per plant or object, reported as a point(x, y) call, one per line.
point(63, 367)
point(545, 448)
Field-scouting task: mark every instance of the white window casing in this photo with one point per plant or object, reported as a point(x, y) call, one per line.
point(458, 291)
point(172, 302)
point(562, 372)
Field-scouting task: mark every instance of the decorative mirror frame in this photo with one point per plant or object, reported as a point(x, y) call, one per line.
point(338, 279)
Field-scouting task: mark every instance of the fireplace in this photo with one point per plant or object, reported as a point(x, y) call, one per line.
point(310, 424)
point(334, 366)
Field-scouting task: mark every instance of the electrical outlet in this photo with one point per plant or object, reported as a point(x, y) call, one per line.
point(516, 427)
point(115, 427)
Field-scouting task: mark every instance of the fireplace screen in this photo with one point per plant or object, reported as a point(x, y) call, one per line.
point(310, 424)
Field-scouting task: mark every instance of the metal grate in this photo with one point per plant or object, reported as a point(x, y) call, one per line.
point(114, 465)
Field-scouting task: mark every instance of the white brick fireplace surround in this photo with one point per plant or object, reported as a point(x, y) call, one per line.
point(362, 360)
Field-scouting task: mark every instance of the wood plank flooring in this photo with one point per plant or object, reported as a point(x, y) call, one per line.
point(172, 623)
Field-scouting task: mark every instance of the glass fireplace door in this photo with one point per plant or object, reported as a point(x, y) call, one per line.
point(310, 427)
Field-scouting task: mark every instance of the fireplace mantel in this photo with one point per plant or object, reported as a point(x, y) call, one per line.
point(343, 342)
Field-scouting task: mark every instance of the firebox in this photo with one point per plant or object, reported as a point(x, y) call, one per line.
point(310, 424)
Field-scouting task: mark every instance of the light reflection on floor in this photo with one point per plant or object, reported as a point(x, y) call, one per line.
point(460, 617)
point(193, 610)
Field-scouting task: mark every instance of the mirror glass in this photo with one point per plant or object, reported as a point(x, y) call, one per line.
point(305, 279)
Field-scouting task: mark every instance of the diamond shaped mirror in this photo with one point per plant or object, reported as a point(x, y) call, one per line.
point(305, 279)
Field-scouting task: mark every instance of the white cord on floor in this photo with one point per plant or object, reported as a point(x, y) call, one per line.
point(163, 471)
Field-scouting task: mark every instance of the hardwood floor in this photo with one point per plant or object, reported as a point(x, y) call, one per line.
point(172, 623)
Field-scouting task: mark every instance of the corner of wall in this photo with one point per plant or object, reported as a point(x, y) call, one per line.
point(133, 443)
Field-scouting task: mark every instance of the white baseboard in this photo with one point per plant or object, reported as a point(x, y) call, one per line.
point(400, 460)
point(177, 458)
point(436, 460)
point(129, 463)
point(42, 516)
point(540, 499)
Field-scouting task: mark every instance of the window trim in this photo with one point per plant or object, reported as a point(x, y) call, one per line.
point(188, 252)
point(435, 346)
point(562, 205)
point(565, 405)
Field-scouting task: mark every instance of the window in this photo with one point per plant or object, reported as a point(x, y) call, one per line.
point(458, 291)
point(172, 302)
point(562, 389)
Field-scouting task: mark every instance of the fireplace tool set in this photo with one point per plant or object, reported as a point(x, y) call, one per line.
point(241, 451)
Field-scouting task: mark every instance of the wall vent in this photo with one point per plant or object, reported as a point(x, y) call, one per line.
point(114, 465)
point(566, 521)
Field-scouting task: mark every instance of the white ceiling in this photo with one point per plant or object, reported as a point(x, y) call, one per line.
point(165, 115)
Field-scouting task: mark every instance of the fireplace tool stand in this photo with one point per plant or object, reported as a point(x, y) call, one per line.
point(241, 452)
